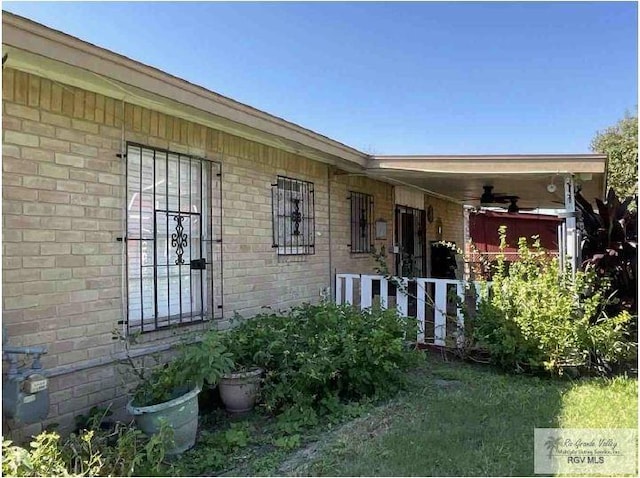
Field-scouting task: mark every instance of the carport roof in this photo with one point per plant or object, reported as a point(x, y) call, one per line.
point(461, 177)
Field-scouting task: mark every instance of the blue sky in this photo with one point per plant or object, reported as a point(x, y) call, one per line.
point(391, 78)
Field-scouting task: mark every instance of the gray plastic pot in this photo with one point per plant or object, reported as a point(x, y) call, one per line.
point(239, 390)
point(181, 414)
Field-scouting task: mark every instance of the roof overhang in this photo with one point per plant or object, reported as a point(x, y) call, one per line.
point(461, 177)
point(37, 49)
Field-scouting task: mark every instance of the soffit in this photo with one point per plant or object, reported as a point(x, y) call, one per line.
point(461, 178)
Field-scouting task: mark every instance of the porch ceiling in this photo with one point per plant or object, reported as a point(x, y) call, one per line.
point(461, 178)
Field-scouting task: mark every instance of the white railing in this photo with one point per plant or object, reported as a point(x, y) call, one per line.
point(430, 298)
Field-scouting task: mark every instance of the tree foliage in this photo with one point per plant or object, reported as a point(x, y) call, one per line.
point(620, 144)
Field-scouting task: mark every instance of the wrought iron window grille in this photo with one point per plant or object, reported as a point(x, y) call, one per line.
point(173, 239)
point(293, 213)
point(361, 222)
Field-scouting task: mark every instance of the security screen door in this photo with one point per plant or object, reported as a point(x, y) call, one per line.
point(174, 274)
point(410, 236)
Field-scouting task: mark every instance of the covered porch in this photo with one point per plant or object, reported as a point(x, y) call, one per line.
point(514, 183)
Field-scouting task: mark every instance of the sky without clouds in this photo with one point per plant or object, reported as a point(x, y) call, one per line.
point(391, 78)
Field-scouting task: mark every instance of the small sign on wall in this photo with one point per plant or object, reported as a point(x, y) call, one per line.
point(381, 229)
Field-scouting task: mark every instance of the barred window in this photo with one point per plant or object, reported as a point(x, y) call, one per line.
point(361, 222)
point(293, 211)
point(173, 239)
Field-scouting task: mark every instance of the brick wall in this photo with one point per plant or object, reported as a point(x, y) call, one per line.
point(343, 260)
point(63, 198)
point(63, 209)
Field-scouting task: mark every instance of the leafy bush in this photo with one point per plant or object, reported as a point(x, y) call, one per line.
point(205, 361)
point(533, 316)
point(317, 354)
point(120, 451)
point(610, 249)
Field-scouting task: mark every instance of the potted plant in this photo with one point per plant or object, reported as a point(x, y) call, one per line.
point(169, 393)
point(239, 387)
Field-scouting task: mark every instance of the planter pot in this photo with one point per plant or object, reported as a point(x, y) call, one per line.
point(181, 414)
point(239, 391)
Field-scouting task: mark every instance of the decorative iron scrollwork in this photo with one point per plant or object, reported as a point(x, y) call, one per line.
point(179, 239)
point(296, 217)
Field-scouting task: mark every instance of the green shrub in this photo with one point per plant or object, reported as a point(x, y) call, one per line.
point(317, 354)
point(120, 451)
point(535, 317)
point(204, 361)
point(44, 457)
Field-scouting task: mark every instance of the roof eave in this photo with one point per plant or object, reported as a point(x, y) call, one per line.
point(33, 41)
point(493, 164)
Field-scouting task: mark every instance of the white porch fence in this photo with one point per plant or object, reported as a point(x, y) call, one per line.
point(432, 301)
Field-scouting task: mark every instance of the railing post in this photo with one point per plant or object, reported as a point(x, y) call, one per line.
point(477, 286)
point(366, 292)
point(421, 288)
point(440, 313)
point(384, 293)
point(339, 278)
point(460, 315)
point(348, 295)
point(402, 298)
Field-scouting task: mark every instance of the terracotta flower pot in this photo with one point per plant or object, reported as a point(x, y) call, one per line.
point(239, 390)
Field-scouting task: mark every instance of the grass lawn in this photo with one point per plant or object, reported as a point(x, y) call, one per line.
point(453, 419)
point(460, 419)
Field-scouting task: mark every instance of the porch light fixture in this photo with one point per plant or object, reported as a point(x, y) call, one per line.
point(439, 229)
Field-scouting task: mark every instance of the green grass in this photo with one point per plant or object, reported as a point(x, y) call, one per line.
point(453, 419)
point(480, 424)
point(601, 404)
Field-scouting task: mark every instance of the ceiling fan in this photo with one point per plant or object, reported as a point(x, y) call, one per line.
point(514, 208)
point(489, 197)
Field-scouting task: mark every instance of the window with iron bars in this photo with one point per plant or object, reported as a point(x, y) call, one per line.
point(173, 239)
point(361, 222)
point(293, 212)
